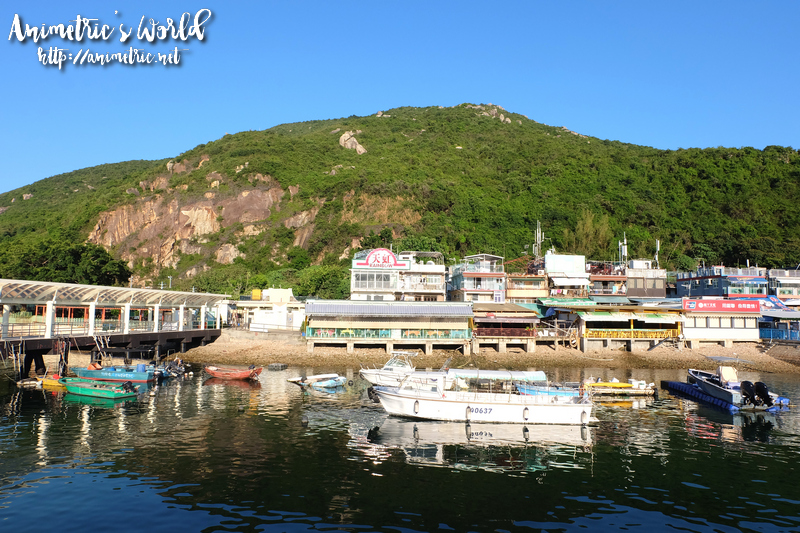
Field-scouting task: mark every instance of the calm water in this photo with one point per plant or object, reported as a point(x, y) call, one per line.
point(205, 456)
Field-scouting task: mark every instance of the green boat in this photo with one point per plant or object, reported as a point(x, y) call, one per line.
point(104, 403)
point(99, 389)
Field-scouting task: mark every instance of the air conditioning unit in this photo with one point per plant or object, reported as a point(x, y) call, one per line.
point(540, 272)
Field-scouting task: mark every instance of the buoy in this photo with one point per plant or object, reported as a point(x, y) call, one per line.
point(304, 421)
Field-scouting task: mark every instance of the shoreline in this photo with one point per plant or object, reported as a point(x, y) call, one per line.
point(229, 350)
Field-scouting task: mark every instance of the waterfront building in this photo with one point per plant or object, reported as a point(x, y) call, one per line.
point(645, 282)
point(720, 321)
point(722, 282)
point(479, 278)
point(567, 276)
point(382, 275)
point(785, 284)
point(389, 324)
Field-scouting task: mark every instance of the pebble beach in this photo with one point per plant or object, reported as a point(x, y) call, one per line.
point(232, 350)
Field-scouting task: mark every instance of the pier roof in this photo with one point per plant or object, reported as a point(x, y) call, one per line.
point(40, 292)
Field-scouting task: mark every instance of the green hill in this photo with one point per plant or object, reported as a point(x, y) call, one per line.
point(460, 180)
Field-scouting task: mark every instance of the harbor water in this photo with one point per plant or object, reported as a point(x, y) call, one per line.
point(202, 454)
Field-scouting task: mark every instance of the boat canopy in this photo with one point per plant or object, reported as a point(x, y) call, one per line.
point(500, 375)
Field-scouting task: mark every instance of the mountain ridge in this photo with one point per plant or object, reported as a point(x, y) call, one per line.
point(467, 179)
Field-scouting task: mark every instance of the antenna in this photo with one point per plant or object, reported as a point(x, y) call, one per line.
point(658, 247)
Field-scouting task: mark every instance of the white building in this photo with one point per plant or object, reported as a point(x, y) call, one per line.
point(480, 278)
point(379, 274)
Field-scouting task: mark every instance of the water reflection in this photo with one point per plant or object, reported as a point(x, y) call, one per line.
point(496, 447)
point(249, 458)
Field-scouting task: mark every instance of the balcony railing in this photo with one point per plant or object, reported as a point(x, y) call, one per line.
point(631, 334)
point(779, 334)
point(372, 333)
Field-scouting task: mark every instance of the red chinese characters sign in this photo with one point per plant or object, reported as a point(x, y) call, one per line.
point(722, 306)
point(381, 258)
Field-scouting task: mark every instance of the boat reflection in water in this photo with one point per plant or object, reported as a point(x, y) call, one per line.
point(239, 383)
point(496, 447)
point(105, 403)
point(748, 426)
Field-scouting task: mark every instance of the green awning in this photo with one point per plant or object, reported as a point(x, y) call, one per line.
point(566, 302)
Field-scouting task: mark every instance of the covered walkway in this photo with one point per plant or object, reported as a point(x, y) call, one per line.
point(46, 310)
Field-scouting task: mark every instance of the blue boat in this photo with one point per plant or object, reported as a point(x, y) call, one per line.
point(137, 374)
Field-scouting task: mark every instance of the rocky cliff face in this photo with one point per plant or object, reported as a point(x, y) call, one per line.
point(160, 226)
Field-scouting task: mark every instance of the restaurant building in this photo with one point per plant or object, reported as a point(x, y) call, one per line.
point(381, 275)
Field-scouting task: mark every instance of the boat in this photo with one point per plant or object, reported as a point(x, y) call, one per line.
point(481, 396)
point(320, 381)
point(590, 386)
point(394, 370)
point(105, 403)
point(223, 372)
point(329, 384)
point(99, 389)
point(724, 385)
point(172, 369)
point(137, 374)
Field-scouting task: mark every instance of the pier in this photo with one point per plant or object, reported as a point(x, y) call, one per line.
point(117, 321)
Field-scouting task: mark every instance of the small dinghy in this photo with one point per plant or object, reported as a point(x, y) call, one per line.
point(223, 372)
point(320, 381)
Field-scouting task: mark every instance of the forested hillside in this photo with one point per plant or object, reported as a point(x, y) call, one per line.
point(291, 204)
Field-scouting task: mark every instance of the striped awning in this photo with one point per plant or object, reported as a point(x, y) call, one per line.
point(659, 318)
point(605, 316)
point(387, 309)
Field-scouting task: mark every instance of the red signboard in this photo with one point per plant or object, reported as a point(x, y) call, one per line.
point(722, 306)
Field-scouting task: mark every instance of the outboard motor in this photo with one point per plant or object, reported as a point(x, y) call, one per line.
point(748, 392)
point(128, 387)
point(373, 395)
point(762, 392)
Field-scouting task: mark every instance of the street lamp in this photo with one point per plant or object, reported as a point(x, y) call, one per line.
point(170, 281)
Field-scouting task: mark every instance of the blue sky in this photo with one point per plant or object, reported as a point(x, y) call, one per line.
point(669, 75)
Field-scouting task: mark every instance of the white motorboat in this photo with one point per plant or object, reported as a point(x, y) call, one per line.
point(395, 369)
point(481, 396)
point(724, 385)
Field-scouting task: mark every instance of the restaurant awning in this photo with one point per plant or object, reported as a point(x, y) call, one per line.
point(622, 300)
point(659, 318)
point(605, 316)
point(507, 320)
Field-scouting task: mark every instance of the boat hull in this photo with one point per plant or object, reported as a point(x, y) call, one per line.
point(116, 373)
point(97, 389)
point(485, 407)
point(233, 373)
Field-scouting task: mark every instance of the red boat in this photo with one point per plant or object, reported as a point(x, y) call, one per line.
point(234, 373)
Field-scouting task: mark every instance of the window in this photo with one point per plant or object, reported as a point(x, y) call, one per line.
point(713, 321)
point(738, 322)
point(725, 322)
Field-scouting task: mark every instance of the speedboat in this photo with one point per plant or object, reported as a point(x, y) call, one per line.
point(395, 369)
point(480, 396)
point(724, 385)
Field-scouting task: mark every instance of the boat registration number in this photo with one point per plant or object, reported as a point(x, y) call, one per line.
point(480, 410)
